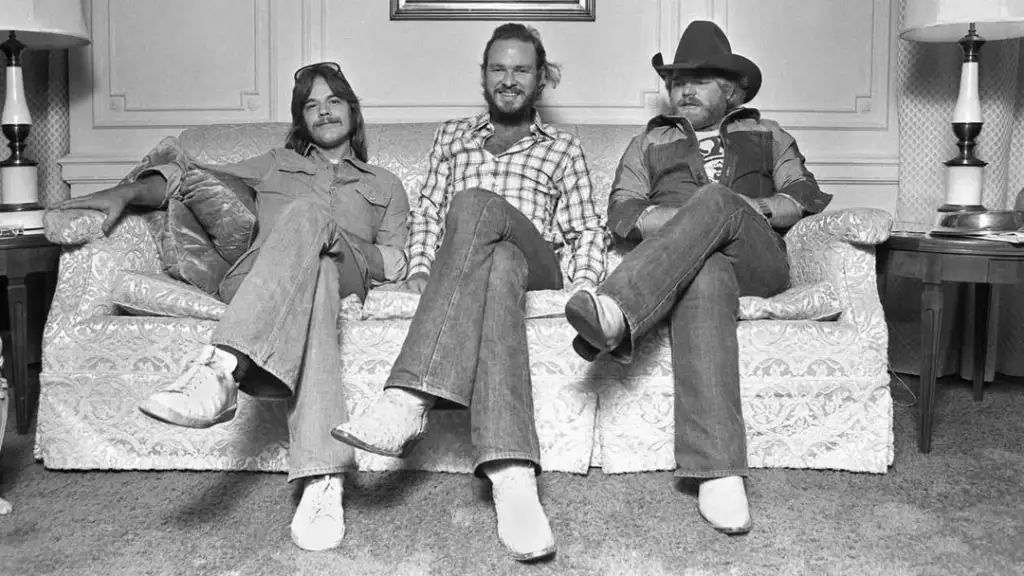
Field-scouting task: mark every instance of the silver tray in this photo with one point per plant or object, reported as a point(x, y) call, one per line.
point(988, 221)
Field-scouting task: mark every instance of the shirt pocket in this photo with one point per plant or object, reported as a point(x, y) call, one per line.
point(291, 179)
point(369, 204)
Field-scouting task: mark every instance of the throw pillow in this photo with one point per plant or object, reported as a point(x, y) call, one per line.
point(156, 294)
point(818, 301)
point(211, 220)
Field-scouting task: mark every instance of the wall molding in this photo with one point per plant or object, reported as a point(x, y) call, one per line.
point(112, 102)
point(314, 31)
point(867, 110)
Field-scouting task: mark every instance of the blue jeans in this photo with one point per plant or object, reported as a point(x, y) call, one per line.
point(467, 342)
point(692, 272)
point(283, 317)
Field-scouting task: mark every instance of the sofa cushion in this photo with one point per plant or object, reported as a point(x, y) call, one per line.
point(211, 220)
point(157, 294)
point(810, 302)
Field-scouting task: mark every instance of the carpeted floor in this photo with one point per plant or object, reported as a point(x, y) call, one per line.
point(958, 510)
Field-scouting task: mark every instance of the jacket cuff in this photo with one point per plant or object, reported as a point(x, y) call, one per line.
point(808, 195)
point(623, 219)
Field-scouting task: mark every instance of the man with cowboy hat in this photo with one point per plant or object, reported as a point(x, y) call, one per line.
point(703, 197)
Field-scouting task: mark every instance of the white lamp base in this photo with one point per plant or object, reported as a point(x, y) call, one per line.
point(19, 187)
point(963, 189)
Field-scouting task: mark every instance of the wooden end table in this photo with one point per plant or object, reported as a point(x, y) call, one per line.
point(19, 257)
point(938, 259)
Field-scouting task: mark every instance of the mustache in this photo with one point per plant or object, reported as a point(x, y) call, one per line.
point(327, 120)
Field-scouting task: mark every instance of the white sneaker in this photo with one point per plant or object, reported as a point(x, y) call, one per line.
point(391, 426)
point(722, 503)
point(523, 527)
point(319, 522)
point(204, 395)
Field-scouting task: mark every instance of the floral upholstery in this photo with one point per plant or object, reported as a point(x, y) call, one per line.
point(815, 394)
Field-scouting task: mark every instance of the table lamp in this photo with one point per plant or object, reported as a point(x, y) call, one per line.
point(970, 23)
point(33, 24)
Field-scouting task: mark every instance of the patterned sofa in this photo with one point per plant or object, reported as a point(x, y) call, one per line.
point(815, 393)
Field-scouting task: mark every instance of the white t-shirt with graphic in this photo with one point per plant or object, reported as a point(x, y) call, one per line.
point(711, 149)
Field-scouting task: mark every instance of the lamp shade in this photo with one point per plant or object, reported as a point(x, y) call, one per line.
point(44, 24)
point(948, 20)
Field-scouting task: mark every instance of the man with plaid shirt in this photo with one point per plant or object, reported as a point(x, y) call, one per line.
point(504, 190)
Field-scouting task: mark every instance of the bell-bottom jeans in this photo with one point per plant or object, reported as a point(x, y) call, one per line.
point(467, 342)
point(283, 316)
point(692, 272)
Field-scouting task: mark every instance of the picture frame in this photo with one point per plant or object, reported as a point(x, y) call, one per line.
point(561, 10)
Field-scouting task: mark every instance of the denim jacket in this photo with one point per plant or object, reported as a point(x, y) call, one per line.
point(368, 202)
point(664, 166)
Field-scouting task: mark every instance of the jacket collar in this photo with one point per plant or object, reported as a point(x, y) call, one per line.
point(731, 116)
point(313, 156)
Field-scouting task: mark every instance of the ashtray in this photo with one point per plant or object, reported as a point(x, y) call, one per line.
point(987, 221)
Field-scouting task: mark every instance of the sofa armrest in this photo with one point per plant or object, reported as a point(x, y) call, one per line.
point(839, 247)
point(89, 264)
point(854, 225)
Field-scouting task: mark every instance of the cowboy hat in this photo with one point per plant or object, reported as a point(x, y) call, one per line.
point(704, 46)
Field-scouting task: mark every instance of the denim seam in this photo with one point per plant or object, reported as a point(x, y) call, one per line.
point(486, 455)
point(258, 356)
point(744, 472)
point(642, 323)
point(433, 390)
point(294, 475)
point(448, 307)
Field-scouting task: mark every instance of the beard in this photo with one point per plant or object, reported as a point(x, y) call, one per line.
point(515, 115)
point(701, 115)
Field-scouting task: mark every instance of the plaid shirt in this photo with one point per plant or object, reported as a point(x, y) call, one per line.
point(544, 176)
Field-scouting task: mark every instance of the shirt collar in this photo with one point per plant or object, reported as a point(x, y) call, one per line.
point(538, 127)
point(732, 115)
point(314, 153)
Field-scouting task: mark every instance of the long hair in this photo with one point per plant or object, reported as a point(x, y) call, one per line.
point(299, 138)
point(530, 35)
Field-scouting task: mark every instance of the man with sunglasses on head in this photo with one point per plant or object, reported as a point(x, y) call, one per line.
point(329, 225)
point(503, 191)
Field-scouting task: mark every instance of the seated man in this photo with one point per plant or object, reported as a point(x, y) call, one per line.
point(329, 225)
point(500, 188)
point(708, 192)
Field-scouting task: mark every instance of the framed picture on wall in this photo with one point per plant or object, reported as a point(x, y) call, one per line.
point(581, 10)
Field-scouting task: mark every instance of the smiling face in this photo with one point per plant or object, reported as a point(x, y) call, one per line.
point(328, 117)
point(699, 97)
point(512, 82)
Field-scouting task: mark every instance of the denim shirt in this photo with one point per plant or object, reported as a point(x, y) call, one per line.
point(663, 166)
point(368, 202)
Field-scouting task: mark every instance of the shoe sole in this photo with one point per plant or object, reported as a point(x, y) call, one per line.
point(584, 349)
point(332, 546)
point(169, 417)
point(728, 530)
point(354, 441)
point(535, 556)
point(581, 312)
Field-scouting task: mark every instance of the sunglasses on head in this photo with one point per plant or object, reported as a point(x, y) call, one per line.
point(322, 66)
